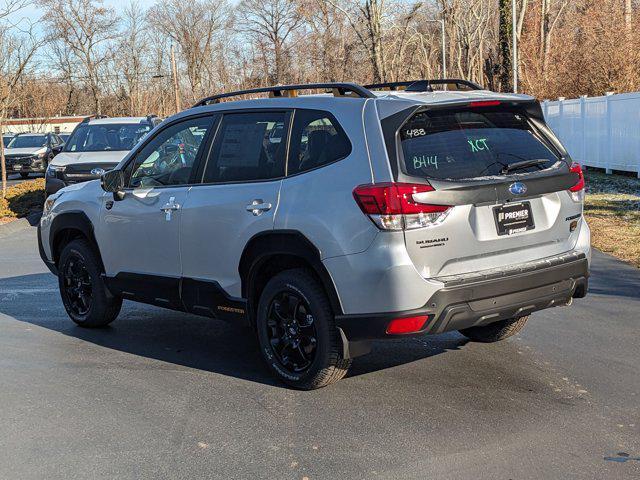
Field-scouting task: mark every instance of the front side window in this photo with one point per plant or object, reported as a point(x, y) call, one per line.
point(28, 141)
point(316, 140)
point(464, 143)
point(168, 159)
point(106, 137)
point(248, 147)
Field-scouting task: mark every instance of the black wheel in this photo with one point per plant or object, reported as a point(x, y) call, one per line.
point(24, 174)
point(297, 333)
point(494, 332)
point(83, 292)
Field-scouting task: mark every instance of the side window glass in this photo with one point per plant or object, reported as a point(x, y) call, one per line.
point(317, 139)
point(248, 146)
point(169, 158)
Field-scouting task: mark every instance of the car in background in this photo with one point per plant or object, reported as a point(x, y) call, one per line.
point(64, 136)
point(95, 146)
point(7, 137)
point(31, 152)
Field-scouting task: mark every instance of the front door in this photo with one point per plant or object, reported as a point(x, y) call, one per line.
point(140, 234)
point(237, 199)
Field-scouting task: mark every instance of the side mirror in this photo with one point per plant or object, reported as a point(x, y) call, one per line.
point(113, 181)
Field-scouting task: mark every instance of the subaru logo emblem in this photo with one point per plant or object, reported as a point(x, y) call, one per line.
point(518, 188)
point(98, 172)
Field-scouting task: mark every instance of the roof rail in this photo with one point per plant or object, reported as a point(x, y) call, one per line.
point(425, 85)
point(93, 117)
point(338, 89)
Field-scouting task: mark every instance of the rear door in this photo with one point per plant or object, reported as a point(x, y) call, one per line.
point(505, 180)
point(237, 199)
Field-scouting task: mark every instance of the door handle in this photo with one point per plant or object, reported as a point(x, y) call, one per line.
point(169, 207)
point(258, 207)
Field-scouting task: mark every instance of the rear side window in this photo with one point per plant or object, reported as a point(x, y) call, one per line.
point(457, 144)
point(317, 139)
point(248, 147)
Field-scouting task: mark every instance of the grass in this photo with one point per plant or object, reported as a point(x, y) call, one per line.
point(612, 209)
point(22, 200)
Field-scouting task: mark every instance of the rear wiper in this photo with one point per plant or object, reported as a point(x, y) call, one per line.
point(524, 164)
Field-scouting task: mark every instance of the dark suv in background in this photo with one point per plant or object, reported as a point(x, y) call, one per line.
point(31, 152)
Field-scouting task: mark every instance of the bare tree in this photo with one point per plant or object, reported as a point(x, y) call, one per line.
point(87, 29)
point(550, 13)
point(367, 20)
point(132, 55)
point(194, 27)
point(327, 27)
point(272, 23)
point(18, 47)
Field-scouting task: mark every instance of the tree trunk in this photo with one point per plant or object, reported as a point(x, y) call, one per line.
point(2, 159)
point(545, 35)
point(627, 15)
point(504, 40)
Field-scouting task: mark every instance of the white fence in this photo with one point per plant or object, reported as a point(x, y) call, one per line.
point(599, 132)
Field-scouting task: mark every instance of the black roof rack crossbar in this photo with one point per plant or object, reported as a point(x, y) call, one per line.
point(425, 85)
point(278, 91)
point(88, 118)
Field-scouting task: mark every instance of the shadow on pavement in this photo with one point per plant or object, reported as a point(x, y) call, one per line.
point(188, 340)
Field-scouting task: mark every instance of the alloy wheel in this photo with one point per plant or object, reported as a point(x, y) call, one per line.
point(77, 285)
point(291, 331)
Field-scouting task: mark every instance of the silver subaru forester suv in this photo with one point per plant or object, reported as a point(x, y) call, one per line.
point(328, 220)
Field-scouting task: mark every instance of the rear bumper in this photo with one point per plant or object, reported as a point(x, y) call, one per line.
point(485, 297)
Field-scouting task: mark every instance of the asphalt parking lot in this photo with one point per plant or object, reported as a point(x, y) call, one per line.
point(15, 179)
point(161, 394)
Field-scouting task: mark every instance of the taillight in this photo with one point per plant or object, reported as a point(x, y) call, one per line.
point(485, 103)
point(401, 326)
point(391, 206)
point(576, 168)
point(577, 191)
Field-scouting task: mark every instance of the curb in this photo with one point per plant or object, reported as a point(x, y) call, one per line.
point(19, 224)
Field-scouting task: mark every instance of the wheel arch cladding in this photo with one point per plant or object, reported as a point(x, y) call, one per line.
point(269, 253)
point(68, 226)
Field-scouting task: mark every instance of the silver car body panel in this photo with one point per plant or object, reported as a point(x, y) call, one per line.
point(372, 270)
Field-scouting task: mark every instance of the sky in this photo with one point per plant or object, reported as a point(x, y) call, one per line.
point(32, 14)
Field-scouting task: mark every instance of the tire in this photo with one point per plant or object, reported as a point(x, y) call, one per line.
point(85, 297)
point(494, 332)
point(297, 295)
point(24, 174)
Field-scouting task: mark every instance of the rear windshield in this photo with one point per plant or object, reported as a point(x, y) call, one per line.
point(456, 144)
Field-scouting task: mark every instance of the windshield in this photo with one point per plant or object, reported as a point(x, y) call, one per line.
point(106, 137)
point(28, 141)
point(456, 144)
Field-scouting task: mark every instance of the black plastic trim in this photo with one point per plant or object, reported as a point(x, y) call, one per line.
point(50, 264)
point(200, 297)
point(277, 91)
point(208, 298)
point(162, 291)
point(72, 220)
point(477, 301)
point(261, 247)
